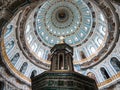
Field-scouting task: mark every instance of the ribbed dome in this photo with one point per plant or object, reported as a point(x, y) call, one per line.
point(76, 17)
point(91, 27)
point(82, 24)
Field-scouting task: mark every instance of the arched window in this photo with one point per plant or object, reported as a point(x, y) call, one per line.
point(102, 17)
point(9, 46)
point(24, 68)
point(29, 38)
point(104, 73)
point(1, 85)
point(9, 29)
point(33, 74)
point(27, 28)
point(82, 54)
point(92, 49)
point(15, 58)
point(40, 53)
point(99, 41)
point(34, 47)
point(61, 63)
point(115, 63)
point(92, 75)
point(101, 30)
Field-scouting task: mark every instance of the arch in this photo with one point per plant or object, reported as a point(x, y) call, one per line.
point(9, 46)
point(104, 73)
point(15, 58)
point(67, 63)
point(92, 50)
point(115, 63)
point(29, 38)
point(101, 29)
point(101, 17)
point(99, 40)
point(95, 72)
point(61, 61)
point(40, 52)
point(9, 30)
point(24, 67)
point(33, 74)
point(34, 47)
point(28, 28)
point(92, 75)
point(96, 41)
point(82, 54)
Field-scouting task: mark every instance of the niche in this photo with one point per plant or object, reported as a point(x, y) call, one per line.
point(61, 62)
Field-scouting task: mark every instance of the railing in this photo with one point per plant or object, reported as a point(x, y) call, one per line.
point(110, 80)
